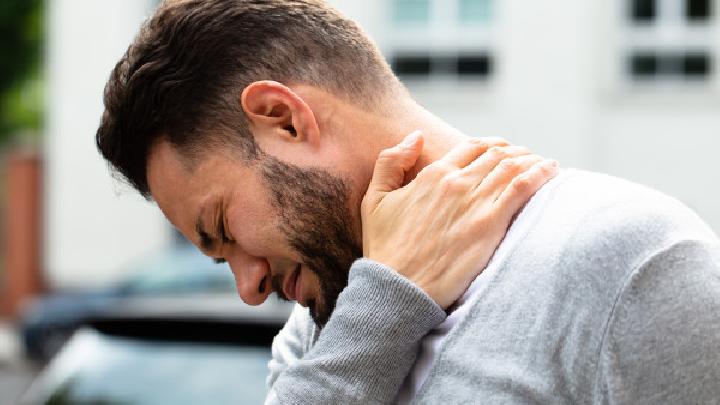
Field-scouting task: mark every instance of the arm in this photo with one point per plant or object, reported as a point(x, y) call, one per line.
point(367, 346)
point(662, 343)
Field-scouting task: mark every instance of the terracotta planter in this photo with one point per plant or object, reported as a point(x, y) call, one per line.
point(22, 233)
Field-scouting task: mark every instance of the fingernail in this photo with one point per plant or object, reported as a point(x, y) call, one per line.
point(551, 164)
point(411, 139)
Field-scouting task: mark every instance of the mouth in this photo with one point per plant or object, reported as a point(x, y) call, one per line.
point(292, 285)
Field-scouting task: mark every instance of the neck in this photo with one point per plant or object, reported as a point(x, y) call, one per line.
point(381, 130)
point(438, 135)
point(388, 129)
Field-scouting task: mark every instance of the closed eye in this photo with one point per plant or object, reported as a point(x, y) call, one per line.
point(219, 260)
point(222, 226)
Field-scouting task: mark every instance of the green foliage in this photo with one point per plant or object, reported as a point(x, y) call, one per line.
point(21, 84)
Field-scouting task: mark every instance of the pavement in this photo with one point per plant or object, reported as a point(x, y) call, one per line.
point(16, 373)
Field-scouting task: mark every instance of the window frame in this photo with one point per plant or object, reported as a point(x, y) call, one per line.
point(671, 36)
point(445, 37)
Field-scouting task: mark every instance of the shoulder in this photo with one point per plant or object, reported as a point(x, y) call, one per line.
point(595, 231)
point(596, 196)
point(662, 337)
point(608, 215)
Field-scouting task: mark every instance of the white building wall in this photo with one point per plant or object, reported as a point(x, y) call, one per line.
point(92, 229)
point(671, 148)
point(665, 135)
point(556, 88)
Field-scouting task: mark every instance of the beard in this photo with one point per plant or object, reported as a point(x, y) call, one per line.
point(315, 216)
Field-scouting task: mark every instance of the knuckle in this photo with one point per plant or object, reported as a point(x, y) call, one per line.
point(477, 143)
point(495, 141)
point(497, 152)
point(439, 168)
point(522, 184)
point(514, 165)
point(510, 164)
point(482, 222)
point(432, 171)
point(455, 177)
point(547, 170)
point(453, 183)
point(446, 185)
point(428, 174)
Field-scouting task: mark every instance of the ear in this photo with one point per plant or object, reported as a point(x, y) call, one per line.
point(277, 114)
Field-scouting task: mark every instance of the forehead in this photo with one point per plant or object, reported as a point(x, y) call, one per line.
point(181, 191)
point(218, 182)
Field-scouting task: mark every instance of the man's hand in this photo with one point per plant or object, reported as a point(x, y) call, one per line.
point(441, 229)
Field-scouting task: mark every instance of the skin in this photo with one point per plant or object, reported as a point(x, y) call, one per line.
point(461, 206)
point(312, 129)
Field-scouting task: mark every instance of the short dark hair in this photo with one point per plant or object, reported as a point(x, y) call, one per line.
point(181, 78)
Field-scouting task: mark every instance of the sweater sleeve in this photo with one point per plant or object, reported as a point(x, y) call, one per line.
point(291, 343)
point(367, 347)
point(662, 342)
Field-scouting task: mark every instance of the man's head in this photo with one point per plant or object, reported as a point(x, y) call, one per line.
point(236, 117)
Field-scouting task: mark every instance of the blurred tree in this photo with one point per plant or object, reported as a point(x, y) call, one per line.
point(21, 50)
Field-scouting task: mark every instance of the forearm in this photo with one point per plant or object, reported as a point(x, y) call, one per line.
point(368, 345)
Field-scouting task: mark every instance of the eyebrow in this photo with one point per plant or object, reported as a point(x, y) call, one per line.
point(206, 240)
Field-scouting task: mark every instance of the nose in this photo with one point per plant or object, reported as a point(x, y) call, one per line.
point(252, 277)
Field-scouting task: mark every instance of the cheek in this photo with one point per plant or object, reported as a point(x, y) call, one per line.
point(256, 231)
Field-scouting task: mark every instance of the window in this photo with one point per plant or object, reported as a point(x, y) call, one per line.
point(696, 65)
point(412, 65)
point(643, 11)
point(475, 65)
point(412, 12)
point(475, 11)
point(644, 65)
point(650, 66)
point(441, 39)
point(669, 41)
point(698, 10)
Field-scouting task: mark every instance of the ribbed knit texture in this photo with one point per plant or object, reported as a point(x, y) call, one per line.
point(378, 307)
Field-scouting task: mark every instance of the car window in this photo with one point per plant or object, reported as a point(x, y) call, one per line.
point(94, 368)
point(183, 282)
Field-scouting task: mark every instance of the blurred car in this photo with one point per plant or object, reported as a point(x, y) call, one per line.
point(180, 285)
point(161, 361)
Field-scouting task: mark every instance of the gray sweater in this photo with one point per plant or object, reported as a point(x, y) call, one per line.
point(613, 296)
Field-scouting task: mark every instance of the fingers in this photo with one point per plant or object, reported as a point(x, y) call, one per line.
point(390, 167)
point(523, 187)
point(466, 152)
point(481, 167)
point(500, 177)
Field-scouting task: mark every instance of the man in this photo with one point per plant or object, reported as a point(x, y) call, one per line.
point(256, 124)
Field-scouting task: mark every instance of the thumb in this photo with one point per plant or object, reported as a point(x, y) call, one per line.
point(391, 166)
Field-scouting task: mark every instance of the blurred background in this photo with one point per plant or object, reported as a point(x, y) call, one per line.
point(626, 87)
